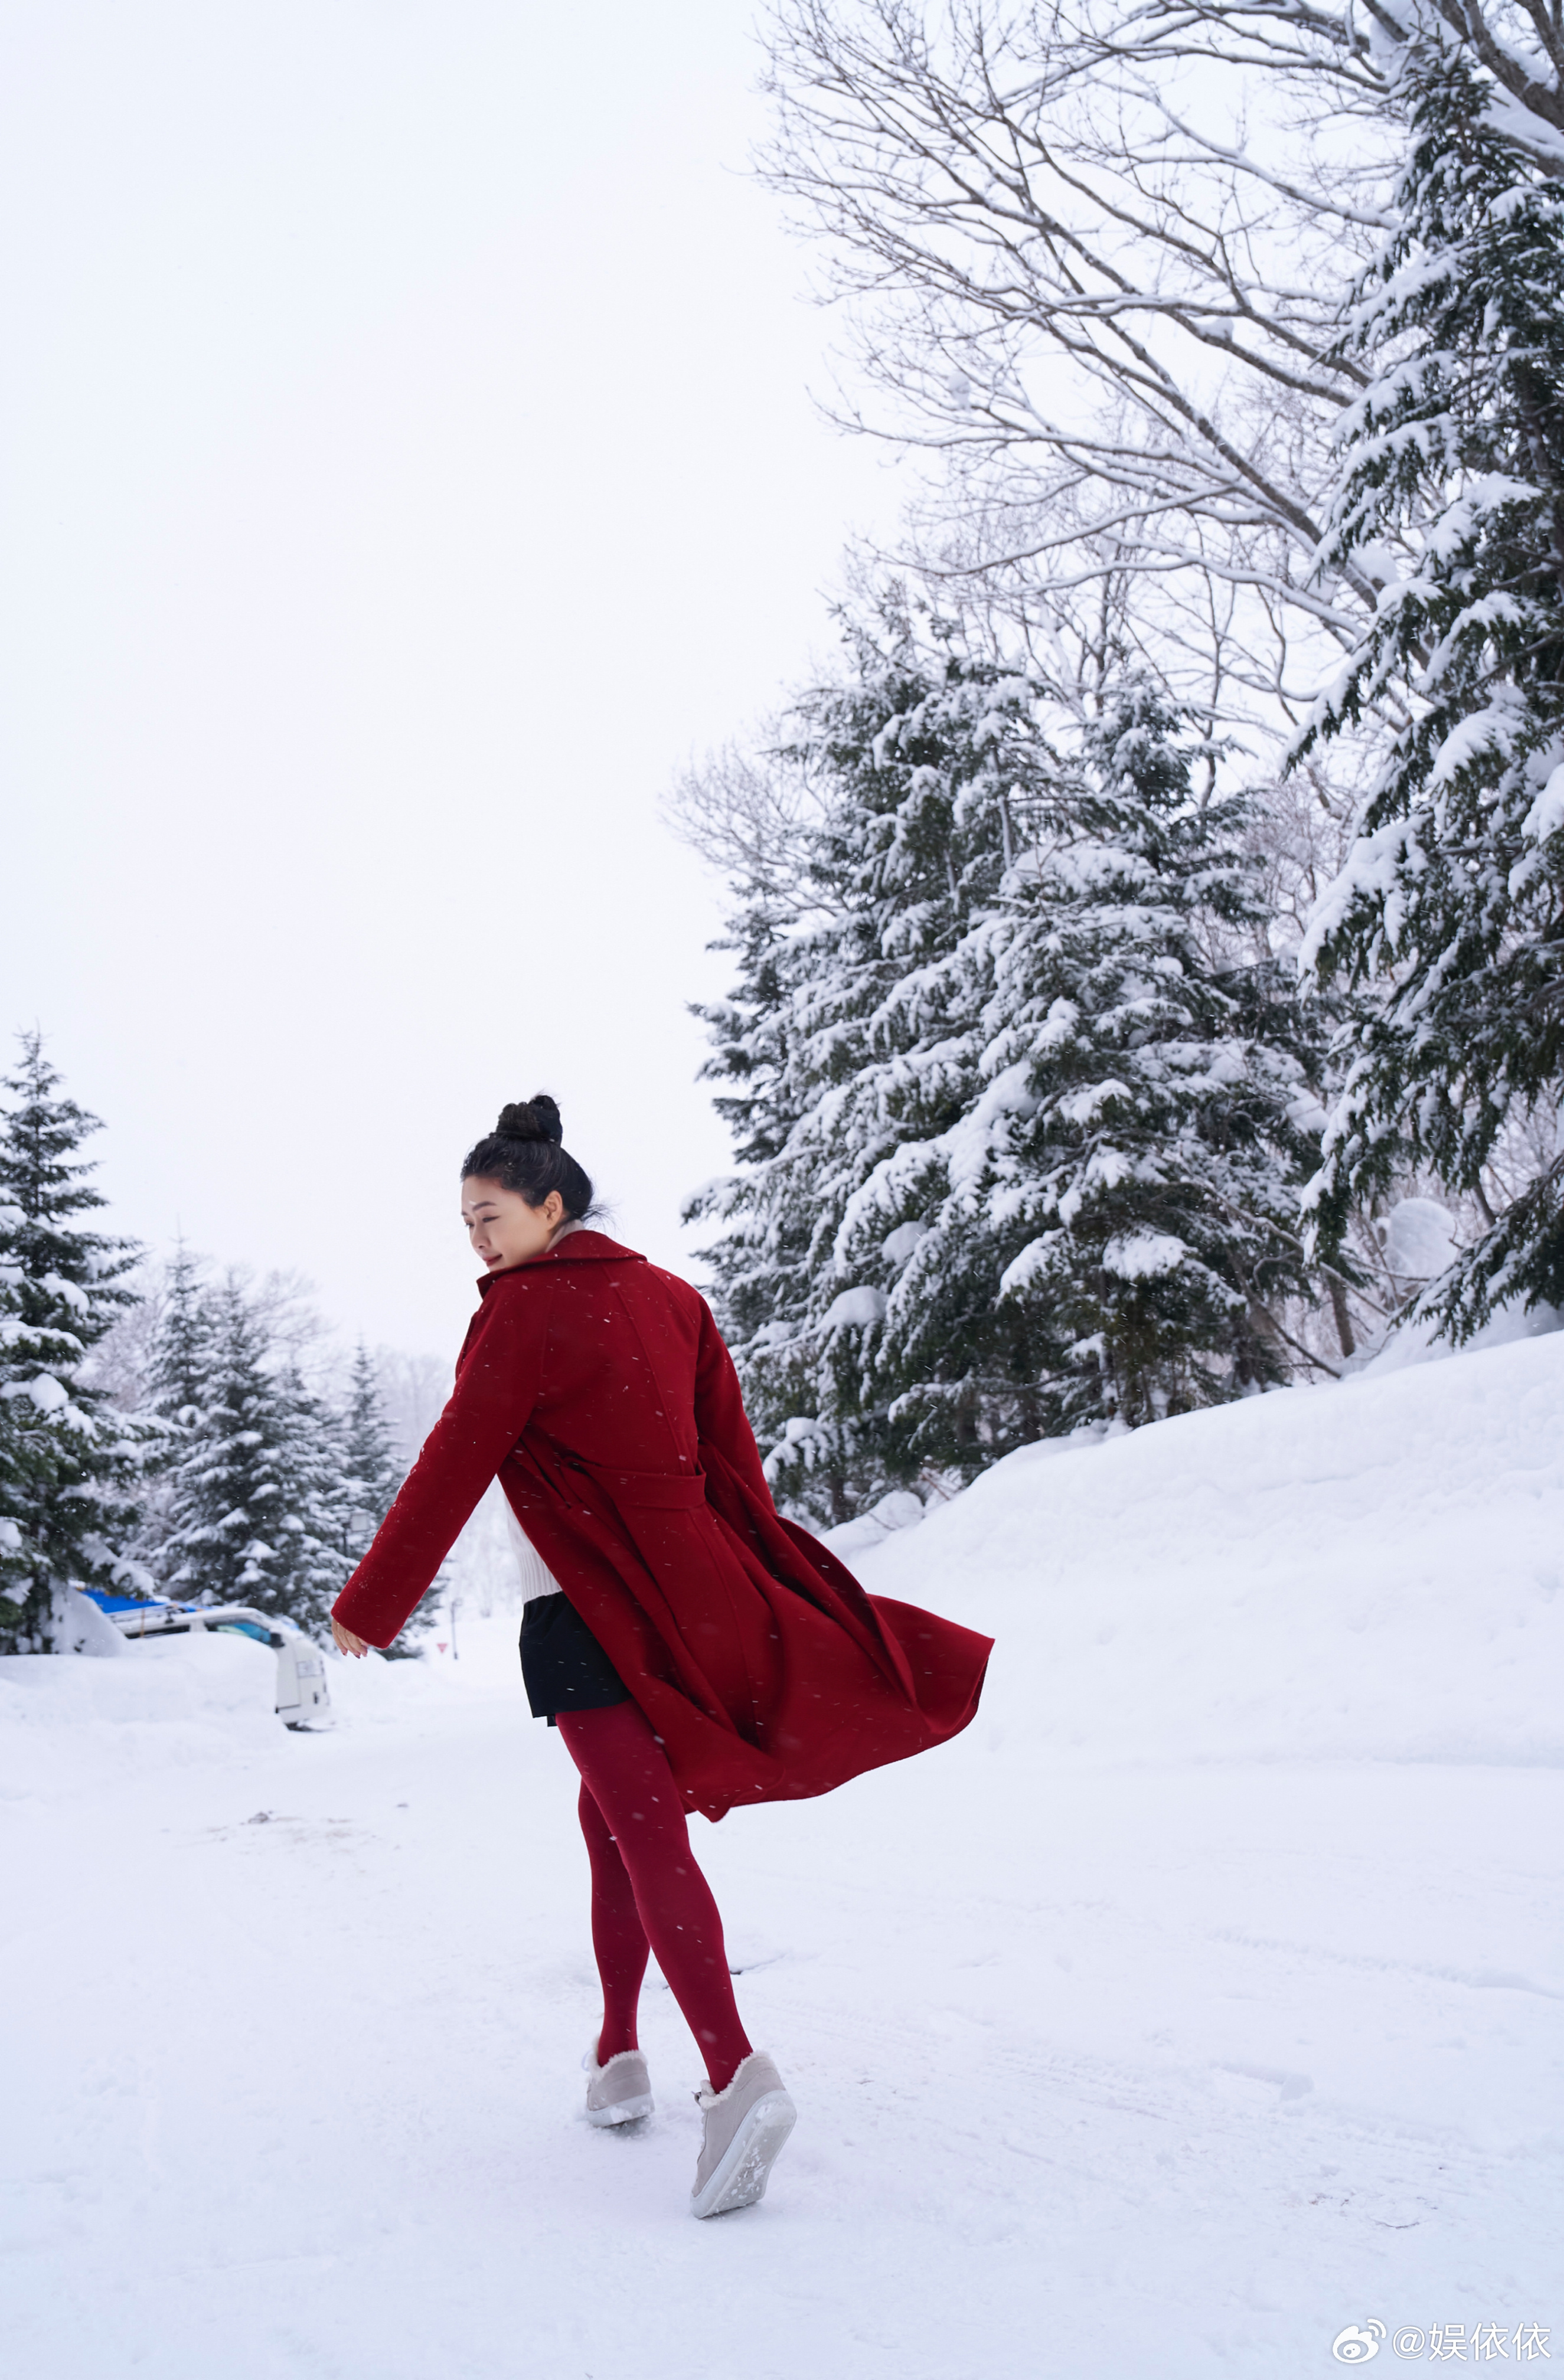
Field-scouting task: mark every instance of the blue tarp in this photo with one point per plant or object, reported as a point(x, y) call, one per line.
point(106, 1602)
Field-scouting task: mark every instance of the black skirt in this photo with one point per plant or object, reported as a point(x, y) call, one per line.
point(563, 1665)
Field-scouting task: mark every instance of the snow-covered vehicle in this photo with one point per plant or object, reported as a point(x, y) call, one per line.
point(303, 1698)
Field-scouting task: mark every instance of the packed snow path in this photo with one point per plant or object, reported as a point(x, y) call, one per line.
point(1203, 2000)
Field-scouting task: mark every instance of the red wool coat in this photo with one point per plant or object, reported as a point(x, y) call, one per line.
point(598, 1388)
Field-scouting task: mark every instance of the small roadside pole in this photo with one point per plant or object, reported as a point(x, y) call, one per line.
point(451, 1609)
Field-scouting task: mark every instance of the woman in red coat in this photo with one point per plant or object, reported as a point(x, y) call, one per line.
point(694, 1649)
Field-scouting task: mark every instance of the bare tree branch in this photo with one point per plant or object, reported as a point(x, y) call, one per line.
point(1094, 262)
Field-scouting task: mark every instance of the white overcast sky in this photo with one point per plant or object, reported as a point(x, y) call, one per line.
point(407, 460)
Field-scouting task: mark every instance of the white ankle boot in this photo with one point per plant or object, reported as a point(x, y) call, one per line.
point(620, 2092)
point(746, 2127)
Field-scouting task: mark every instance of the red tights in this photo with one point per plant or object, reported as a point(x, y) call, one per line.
point(647, 1893)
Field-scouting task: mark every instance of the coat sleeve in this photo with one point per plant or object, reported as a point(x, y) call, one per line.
point(496, 1391)
point(720, 1418)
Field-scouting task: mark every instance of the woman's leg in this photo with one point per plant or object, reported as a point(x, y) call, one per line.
point(618, 1939)
point(626, 1773)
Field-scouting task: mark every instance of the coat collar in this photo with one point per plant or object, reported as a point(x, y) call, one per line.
point(582, 1246)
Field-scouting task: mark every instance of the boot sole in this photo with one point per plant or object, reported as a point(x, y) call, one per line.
point(624, 2111)
point(740, 2178)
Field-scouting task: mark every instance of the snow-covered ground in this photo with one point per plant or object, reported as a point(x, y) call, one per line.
point(1203, 2002)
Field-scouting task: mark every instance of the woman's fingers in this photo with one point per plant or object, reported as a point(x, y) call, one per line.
point(347, 1642)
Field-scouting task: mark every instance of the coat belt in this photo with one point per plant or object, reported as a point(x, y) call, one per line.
point(656, 1491)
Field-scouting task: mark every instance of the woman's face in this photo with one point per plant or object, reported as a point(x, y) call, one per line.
point(503, 1229)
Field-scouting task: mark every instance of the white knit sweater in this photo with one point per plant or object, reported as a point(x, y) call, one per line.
point(536, 1578)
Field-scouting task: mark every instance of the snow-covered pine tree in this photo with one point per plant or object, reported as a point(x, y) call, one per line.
point(370, 1472)
point(836, 1050)
point(768, 1246)
point(69, 1460)
point(262, 1503)
point(1109, 1231)
point(225, 1513)
point(175, 1385)
point(312, 1559)
point(1450, 906)
point(1024, 1125)
point(182, 1352)
point(370, 1475)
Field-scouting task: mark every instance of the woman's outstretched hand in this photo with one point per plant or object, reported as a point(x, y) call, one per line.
point(345, 1642)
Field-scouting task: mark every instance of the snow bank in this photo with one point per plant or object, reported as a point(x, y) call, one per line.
point(1418, 1342)
point(74, 1723)
point(1370, 1571)
point(1132, 2034)
point(850, 1540)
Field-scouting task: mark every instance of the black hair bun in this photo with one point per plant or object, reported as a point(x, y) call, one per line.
point(533, 1118)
